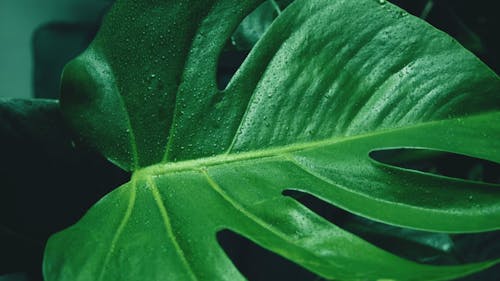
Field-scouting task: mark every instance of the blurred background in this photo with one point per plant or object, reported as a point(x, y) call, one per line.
point(37, 38)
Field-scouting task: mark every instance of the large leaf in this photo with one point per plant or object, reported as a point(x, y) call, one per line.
point(328, 83)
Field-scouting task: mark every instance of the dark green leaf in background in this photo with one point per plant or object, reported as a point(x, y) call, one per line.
point(13, 277)
point(328, 83)
point(48, 181)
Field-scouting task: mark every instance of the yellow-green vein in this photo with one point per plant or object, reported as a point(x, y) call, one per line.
point(242, 209)
point(120, 228)
point(168, 226)
point(279, 151)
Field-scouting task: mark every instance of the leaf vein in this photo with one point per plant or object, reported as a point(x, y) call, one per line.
point(277, 151)
point(119, 230)
point(216, 187)
point(168, 227)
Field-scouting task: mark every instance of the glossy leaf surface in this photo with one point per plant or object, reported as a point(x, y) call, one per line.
point(328, 83)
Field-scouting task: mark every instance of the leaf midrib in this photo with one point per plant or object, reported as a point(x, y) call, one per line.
point(119, 230)
point(168, 228)
point(196, 164)
point(175, 115)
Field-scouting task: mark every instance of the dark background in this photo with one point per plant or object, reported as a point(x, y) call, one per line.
point(48, 183)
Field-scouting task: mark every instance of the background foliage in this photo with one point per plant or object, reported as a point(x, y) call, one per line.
point(34, 204)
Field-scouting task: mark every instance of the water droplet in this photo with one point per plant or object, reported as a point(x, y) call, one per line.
point(381, 2)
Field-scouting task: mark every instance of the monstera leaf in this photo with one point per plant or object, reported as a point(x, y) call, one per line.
point(330, 82)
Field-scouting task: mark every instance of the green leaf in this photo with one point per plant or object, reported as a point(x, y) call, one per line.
point(328, 83)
